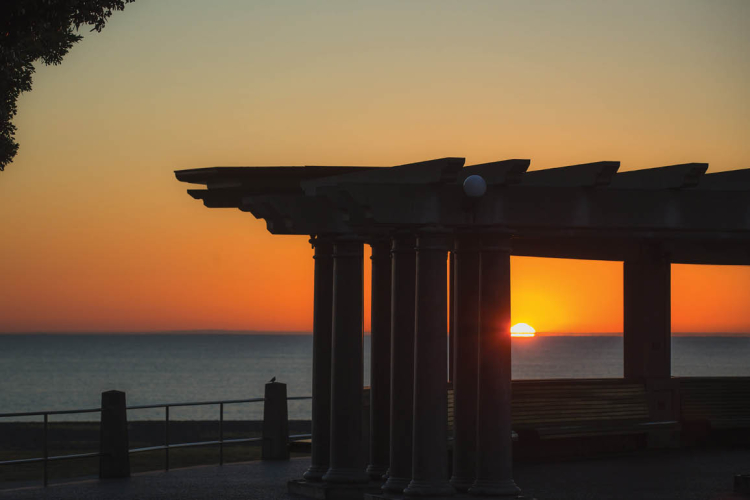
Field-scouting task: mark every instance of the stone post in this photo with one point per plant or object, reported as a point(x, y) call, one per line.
point(466, 345)
point(347, 460)
point(380, 359)
point(275, 423)
point(494, 474)
point(430, 453)
point(321, 383)
point(403, 272)
point(113, 436)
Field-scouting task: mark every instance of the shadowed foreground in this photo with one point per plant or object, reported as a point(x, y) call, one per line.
point(680, 474)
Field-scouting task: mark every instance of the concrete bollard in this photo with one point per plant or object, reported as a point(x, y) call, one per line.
point(275, 423)
point(742, 484)
point(113, 436)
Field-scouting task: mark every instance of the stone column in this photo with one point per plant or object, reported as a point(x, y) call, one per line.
point(494, 475)
point(647, 334)
point(403, 274)
point(451, 313)
point(346, 458)
point(380, 359)
point(430, 454)
point(647, 317)
point(465, 348)
point(321, 386)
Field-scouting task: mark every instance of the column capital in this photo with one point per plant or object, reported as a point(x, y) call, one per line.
point(403, 242)
point(341, 237)
point(651, 251)
point(348, 247)
point(381, 248)
point(321, 243)
point(495, 242)
point(466, 242)
point(431, 238)
point(434, 229)
point(374, 239)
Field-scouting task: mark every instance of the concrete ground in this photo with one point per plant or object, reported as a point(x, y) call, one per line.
point(676, 474)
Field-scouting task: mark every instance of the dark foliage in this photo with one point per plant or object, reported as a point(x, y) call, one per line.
point(32, 30)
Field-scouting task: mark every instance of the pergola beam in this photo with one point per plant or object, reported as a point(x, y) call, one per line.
point(731, 180)
point(587, 211)
point(543, 207)
point(599, 173)
point(502, 172)
point(670, 177)
point(680, 250)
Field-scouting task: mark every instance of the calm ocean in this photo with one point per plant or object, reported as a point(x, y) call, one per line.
point(55, 372)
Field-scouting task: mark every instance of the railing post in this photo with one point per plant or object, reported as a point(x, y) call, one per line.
point(221, 433)
point(46, 448)
point(166, 438)
point(113, 436)
point(275, 423)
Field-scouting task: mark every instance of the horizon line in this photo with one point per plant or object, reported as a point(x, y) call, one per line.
point(309, 332)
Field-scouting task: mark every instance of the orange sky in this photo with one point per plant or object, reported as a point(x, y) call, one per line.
point(97, 235)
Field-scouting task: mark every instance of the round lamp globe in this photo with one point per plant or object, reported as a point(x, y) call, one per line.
point(475, 186)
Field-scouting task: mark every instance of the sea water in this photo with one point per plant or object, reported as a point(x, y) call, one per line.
point(62, 371)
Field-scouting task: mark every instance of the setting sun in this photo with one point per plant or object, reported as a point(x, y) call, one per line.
point(522, 330)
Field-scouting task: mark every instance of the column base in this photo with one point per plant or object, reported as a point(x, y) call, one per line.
point(345, 475)
point(376, 472)
point(396, 484)
point(483, 487)
point(457, 496)
point(461, 484)
point(742, 484)
point(328, 491)
point(315, 472)
point(429, 488)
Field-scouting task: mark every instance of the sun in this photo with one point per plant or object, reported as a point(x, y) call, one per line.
point(522, 330)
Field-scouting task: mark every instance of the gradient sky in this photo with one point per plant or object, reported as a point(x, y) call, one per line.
point(97, 235)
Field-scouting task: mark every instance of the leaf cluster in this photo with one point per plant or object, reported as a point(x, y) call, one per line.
point(32, 30)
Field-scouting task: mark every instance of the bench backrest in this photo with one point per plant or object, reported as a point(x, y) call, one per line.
point(536, 403)
point(542, 402)
point(548, 402)
point(714, 398)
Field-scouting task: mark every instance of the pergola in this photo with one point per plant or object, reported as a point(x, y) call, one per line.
point(412, 216)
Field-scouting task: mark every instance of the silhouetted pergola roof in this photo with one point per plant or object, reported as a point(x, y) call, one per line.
point(588, 211)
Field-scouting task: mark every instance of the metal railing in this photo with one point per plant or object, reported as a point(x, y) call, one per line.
point(221, 441)
point(45, 458)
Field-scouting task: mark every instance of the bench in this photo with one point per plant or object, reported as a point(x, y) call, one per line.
point(549, 410)
point(543, 410)
point(715, 405)
point(555, 409)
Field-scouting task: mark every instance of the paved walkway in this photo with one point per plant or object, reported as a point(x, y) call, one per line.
point(683, 474)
